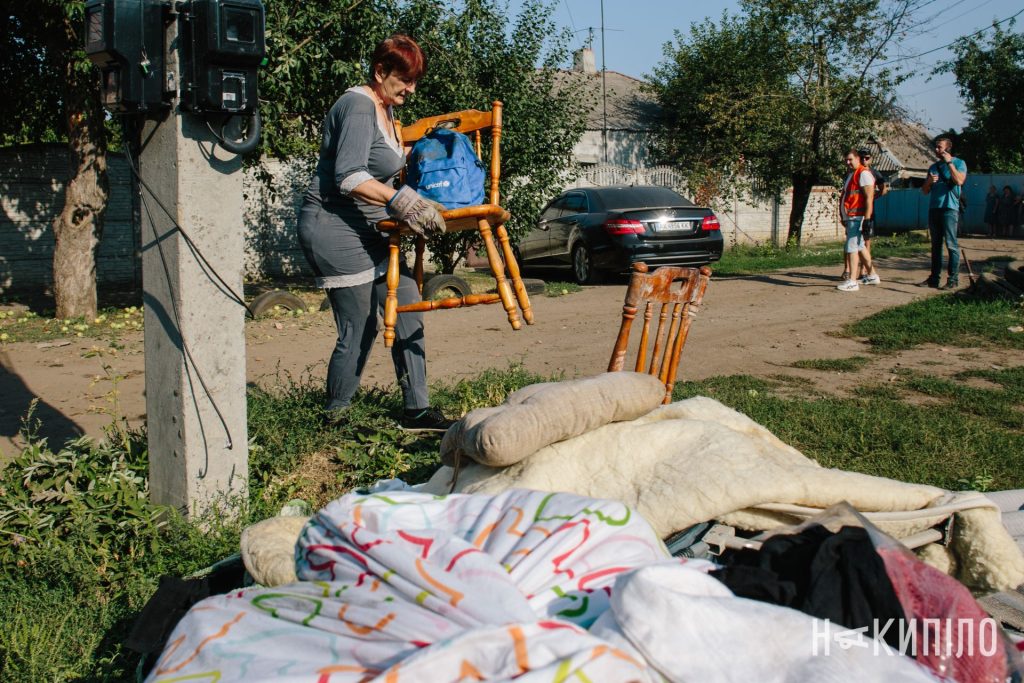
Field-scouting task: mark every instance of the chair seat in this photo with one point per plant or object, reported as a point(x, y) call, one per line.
point(457, 220)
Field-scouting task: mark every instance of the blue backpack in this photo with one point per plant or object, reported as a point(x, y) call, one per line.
point(444, 167)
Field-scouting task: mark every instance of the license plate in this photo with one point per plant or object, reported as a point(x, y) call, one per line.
point(675, 226)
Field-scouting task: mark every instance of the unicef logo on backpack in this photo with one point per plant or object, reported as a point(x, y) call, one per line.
point(443, 166)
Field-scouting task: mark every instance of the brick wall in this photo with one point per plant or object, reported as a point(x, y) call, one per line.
point(271, 213)
point(32, 179)
point(746, 221)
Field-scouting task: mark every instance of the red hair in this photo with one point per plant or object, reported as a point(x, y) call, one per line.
point(399, 54)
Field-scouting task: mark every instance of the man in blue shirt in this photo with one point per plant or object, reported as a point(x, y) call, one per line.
point(944, 186)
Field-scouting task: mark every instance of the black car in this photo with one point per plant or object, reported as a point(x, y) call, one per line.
point(600, 230)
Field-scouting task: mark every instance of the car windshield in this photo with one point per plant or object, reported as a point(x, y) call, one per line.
point(635, 197)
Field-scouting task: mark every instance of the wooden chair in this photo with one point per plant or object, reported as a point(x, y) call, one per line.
point(679, 305)
point(488, 219)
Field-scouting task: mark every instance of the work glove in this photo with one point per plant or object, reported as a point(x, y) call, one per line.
point(419, 213)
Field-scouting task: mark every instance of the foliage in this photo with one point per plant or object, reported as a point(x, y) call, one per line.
point(945, 319)
point(52, 94)
point(475, 55)
point(34, 51)
point(990, 78)
point(771, 98)
point(86, 494)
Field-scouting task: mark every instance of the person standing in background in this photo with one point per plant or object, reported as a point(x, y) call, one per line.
point(944, 185)
point(991, 202)
point(857, 205)
point(1006, 213)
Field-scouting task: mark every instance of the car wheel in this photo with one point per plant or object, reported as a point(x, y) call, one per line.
point(275, 297)
point(583, 269)
point(445, 286)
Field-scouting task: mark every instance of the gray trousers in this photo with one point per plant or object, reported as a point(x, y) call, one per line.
point(355, 315)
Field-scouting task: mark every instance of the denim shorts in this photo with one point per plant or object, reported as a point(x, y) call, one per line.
point(854, 236)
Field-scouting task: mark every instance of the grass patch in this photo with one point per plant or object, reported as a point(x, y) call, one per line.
point(20, 324)
point(1001, 406)
point(561, 288)
point(851, 364)
point(944, 319)
point(878, 433)
point(744, 259)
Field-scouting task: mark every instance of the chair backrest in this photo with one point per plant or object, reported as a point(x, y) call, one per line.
point(467, 121)
point(679, 291)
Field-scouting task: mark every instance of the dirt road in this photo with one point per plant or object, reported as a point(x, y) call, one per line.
point(754, 325)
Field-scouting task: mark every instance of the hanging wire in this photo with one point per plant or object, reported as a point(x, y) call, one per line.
point(210, 272)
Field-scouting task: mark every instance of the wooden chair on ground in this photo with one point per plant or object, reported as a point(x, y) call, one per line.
point(489, 219)
point(680, 292)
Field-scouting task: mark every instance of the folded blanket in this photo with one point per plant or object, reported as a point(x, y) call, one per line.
point(697, 460)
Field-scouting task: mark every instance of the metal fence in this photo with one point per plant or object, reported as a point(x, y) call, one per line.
point(607, 174)
point(907, 209)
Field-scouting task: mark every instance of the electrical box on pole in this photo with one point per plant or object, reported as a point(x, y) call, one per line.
point(223, 44)
point(125, 40)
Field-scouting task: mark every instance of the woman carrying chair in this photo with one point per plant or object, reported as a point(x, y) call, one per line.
point(350, 192)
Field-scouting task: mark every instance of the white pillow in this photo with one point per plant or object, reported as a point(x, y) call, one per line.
point(541, 414)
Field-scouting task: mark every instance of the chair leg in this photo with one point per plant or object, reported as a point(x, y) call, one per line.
point(391, 302)
point(498, 269)
point(513, 273)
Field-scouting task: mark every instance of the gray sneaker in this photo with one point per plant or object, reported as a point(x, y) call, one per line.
point(871, 279)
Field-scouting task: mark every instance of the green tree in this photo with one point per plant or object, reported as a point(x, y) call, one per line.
point(771, 98)
point(475, 55)
point(990, 78)
point(52, 93)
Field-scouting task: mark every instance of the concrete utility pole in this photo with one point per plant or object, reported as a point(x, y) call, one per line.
point(195, 330)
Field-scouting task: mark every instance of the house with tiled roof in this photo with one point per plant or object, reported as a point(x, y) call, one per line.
point(902, 150)
point(620, 118)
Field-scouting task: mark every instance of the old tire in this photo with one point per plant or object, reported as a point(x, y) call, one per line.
point(1015, 274)
point(444, 286)
point(583, 270)
point(275, 297)
point(533, 285)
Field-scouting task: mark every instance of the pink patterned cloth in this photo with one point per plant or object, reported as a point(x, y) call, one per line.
point(953, 636)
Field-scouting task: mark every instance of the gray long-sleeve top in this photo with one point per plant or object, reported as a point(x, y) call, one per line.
point(353, 150)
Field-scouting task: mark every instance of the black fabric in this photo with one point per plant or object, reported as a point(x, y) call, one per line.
point(834, 576)
point(173, 598)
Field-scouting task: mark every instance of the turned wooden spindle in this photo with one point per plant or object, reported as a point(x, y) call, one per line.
point(678, 306)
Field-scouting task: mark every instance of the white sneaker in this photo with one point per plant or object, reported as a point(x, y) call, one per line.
point(872, 279)
point(848, 286)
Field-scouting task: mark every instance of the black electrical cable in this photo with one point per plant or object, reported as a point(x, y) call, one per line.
point(186, 353)
point(187, 356)
point(942, 47)
point(246, 145)
point(234, 296)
